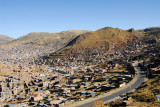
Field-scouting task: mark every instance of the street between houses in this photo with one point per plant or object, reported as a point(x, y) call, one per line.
point(113, 95)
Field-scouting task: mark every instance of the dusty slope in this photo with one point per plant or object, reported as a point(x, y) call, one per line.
point(101, 37)
point(5, 39)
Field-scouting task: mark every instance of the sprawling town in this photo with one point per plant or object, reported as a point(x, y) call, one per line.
point(64, 78)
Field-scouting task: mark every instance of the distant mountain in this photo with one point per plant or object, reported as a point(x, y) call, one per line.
point(40, 43)
point(5, 39)
point(44, 38)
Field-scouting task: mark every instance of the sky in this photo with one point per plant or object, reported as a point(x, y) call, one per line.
point(20, 17)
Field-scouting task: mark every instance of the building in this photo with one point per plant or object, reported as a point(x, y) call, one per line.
point(158, 97)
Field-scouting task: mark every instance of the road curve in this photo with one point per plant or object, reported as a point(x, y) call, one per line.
point(135, 83)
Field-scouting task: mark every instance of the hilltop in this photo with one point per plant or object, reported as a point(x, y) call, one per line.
point(5, 39)
point(107, 37)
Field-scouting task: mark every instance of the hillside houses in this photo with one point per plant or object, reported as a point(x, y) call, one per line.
point(68, 76)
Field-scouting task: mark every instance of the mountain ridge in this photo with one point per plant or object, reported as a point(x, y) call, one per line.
point(100, 37)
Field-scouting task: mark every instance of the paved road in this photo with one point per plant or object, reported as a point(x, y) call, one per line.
point(131, 86)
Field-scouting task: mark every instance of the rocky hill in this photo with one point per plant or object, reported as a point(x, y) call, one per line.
point(110, 43)
point(5, 39)
point(107, 34)
point(105, 37)
point(112, 36)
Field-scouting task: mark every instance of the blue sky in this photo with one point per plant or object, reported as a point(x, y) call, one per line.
point(19, 17)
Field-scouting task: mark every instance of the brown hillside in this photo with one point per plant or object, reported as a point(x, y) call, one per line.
point(112, 36)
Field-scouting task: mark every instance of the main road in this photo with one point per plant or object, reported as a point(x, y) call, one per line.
point(135, 83)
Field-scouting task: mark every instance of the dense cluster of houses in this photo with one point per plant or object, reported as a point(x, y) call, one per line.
point(55, 90)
